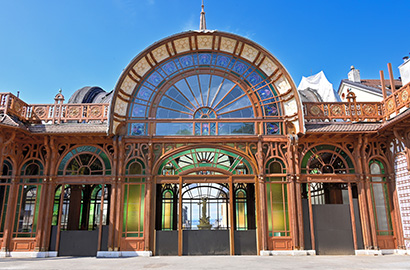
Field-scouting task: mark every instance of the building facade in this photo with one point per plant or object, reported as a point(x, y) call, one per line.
point(204, 148)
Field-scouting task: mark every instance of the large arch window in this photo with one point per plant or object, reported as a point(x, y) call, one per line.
point(201, 90)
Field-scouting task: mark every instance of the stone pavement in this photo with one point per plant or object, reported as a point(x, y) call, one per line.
point(213, 262)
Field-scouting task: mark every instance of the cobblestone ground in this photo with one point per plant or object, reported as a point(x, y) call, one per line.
point(213, 262)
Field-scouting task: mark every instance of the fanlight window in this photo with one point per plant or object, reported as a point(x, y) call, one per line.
point(85, 160)
point(327, 159)
point(222, 87)
point(203, 161)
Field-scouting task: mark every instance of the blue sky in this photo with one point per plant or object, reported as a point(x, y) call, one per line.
point(47, 45)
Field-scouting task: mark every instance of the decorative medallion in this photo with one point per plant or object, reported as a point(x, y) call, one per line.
point(404, 96)
point(368, 109)
point(95, 111)
point(315, 110)
point(40, 112)
point(73, 112)
point(336, 110)
point(390, 105)
point(18, 107)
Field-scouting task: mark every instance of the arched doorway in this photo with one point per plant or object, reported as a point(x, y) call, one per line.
point(205, 204)
point(330, 201)
point(81, 203)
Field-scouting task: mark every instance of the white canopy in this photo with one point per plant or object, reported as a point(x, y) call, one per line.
point(321, 84)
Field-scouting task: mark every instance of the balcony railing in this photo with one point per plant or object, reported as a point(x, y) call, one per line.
point(52, 113)
point(343, 111)
point(350, 111)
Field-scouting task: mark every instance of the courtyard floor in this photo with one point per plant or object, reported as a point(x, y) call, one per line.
point(213, 262)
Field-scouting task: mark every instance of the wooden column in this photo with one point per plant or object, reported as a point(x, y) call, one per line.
point(231, 221)
point(292, 195)
point(352, 217)
point(261, 199)
point(180, 239)
point(392, 87)
point(371, 213)
point(60, 210)
point(148, 231)
point(312, 230)
point(43, 221)
point(101, 217)
point(111, 222)
point(118, 200)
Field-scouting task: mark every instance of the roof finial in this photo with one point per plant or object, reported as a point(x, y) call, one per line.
point(202, 23)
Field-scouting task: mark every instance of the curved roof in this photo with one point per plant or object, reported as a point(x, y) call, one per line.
point(90, 94)
point(144, 65)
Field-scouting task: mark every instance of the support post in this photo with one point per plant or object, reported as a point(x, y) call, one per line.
point(180, 239)
point(312, 231)
point(352, 217)
point(231, 221)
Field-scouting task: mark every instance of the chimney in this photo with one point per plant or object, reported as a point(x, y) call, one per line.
point(405, 71)
point(354, 75)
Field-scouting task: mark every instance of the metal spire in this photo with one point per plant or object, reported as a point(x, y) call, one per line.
point(202, 23)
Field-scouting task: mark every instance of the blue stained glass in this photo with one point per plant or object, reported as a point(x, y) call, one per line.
point(162, 73)
point(254, 78)
point(222, 61)
point(213, 129)
point(169, 67)
point(272, 128)
point(155, 78)
point(186, 61)
point(137, 129)
point(204, 59)
point(197, 129)
point(239, 67)
point(205, 129)
point(138, 110)
point(271, 110)
point(144, 93)
point(265, 93)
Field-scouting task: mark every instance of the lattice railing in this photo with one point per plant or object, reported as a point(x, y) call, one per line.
point(52, 113)
point(398, 101)
point(343, 111)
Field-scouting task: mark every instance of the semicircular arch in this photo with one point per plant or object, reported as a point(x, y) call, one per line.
point(201, 159)
point(258, 75)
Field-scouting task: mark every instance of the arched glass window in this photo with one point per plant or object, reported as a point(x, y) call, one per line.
point(203, 161)
point(32, 168)
point(380, 198)
point(204, 88)
point(327, 159)
point(277, 198)
point(167, 209)
point(85, 160)
point(241, 210)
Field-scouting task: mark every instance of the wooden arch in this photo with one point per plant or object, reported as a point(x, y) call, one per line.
point(211, 41)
